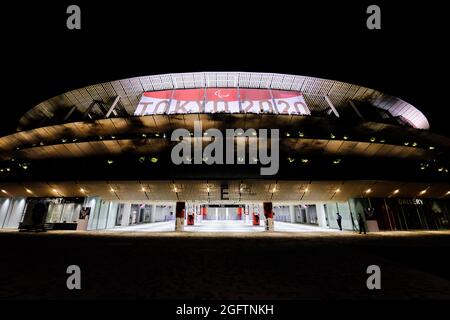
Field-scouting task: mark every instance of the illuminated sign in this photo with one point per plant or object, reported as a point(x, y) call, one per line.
point(222, 100)
point(414, 201)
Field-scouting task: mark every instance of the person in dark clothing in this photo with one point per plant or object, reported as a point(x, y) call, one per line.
point(361, 223)
point(339, 220)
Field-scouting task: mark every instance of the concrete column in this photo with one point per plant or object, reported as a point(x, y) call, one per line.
point(126, 214)
point(292, 213)
point(14, 213)
point(4, 208)
point(179, 216)
point(268, 213)
point(153, 215)
point(321, 218)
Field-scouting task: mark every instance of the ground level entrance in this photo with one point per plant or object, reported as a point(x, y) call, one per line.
point(95, 213)
point(221, 226)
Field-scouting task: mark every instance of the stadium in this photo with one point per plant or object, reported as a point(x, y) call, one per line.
point(99, 158)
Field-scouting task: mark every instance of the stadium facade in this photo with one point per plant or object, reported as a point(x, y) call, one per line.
point(100, 157)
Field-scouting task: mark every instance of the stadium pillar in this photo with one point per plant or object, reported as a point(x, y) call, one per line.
point(179, 216)
point(268, 213)
point(153, 215)
point(321, 219)
point(292, 213)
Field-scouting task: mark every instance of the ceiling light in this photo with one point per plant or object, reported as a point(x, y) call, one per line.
point(143, 189)
point(82, 190)
point(396, 191)
point(431, 148)
point(338, 190)
point(110, 161)
point(28, 190)
point(112, 189)
point(4, 191)
point(423, 191)
point(368, 191)
point(154, 160)
point(372, 139)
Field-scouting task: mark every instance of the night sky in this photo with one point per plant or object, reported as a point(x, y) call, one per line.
point(407, 58)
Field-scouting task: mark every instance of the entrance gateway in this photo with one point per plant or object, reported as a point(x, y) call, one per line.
point(93, 213)
point(225, 217)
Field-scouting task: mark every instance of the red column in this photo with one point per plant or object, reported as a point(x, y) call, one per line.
point(204, 213)
point(179, 216)
point(268, 213)
point(239, 213)
point(190, 218)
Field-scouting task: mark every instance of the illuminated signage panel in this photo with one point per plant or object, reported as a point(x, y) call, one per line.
point(222, 100)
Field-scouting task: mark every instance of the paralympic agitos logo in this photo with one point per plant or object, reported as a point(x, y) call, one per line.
point(221, 149)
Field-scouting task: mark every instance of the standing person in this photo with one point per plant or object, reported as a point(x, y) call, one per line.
point(362, 225)
point(339, 220)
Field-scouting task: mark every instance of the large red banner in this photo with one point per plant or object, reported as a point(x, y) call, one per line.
point(224, 100)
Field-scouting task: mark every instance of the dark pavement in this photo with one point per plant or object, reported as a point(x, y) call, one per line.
point(171, 265)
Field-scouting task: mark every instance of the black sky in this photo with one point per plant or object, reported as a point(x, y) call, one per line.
point(408, 58)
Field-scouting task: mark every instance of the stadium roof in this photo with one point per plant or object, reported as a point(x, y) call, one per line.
point(130, 90)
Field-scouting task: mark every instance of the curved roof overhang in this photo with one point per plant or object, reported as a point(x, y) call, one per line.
point(130, 90)
point(116, 136)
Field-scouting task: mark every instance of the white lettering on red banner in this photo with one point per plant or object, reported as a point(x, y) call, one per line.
point(222, 100)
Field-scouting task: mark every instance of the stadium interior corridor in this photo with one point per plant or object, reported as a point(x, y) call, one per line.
point(220, 226)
